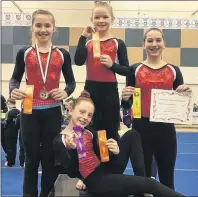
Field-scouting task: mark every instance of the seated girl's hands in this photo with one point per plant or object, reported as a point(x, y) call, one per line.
point(183, 88)
point(17, 94)
point(80, 185)
point(113, 146)
point(127, 93)
point(106, 60)
point(70, 140)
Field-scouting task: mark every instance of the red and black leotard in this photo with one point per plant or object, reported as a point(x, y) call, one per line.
point(101, 81)
point(27, 61)
point(158, 138)
point(97, 72)
point(141, 76)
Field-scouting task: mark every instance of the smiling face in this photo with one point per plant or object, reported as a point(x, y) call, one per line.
point(102, 18)
point(43, 27)
point(154, 43)
point(82, 113)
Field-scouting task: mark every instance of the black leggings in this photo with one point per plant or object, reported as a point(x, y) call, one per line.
point(11, 134)
point(3, 143)
point(158, 139)
point(38, 131)
point(130, 147)
point(114, 185)
point(21, 150)
point(107, 108)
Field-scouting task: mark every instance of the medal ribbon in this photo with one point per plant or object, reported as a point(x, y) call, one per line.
point(44, 75)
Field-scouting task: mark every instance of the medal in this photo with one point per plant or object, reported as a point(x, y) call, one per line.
point(43, 93)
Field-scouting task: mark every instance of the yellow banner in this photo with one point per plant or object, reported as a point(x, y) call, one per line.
point(3, 115)
point(137, 103)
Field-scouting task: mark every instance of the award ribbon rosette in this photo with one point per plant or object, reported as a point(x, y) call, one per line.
point(104, 153)
point(137, 103)
point(80, 146)
point(28, 101)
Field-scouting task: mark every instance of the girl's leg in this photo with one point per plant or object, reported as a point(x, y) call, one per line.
point(143, 127)
point(30, 127)
point(51, 121)
point(113, 185)
point(154, 168)
point(97, 123)
point(21, 151)
point(165, 153)
point(130, 147)
point(111, 114)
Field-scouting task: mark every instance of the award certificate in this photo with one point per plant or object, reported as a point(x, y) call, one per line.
point(171, 107)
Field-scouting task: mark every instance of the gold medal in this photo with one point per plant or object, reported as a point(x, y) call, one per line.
point(44, 94)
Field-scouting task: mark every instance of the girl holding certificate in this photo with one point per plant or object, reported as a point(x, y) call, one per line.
point(101, 82)
point(42, 64)
point(158, 139)
point(101, 178)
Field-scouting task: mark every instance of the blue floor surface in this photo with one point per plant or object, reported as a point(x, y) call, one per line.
point(186, 171)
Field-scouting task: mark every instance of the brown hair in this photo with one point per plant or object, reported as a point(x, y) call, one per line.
point(152, 29)
point(103, 4)
point(12, 101)
point(84, 96)
point(42, 12)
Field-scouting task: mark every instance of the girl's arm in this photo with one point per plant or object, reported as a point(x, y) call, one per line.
point(123, 67)
point(68, 73)
point(19, 70)
point(179, 78)
point(130, 82)
point(81, 52)
point(61, 153)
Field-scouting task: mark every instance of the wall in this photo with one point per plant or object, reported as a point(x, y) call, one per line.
point(181, 49)
point(77, 13)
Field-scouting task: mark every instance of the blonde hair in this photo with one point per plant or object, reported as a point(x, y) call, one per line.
point(103, 4)
point(42, 12)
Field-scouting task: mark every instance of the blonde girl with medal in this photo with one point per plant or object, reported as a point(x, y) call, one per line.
point(42, 64)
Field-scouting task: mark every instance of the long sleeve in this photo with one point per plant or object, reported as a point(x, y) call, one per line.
point(130, 81)
point(66, 158)
point(61, 153)
point(122, 53)
point(19, 70)
point(121, 68)
point(129, 72)
point(81, 52)
point(68, 73)
point(179, 78)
